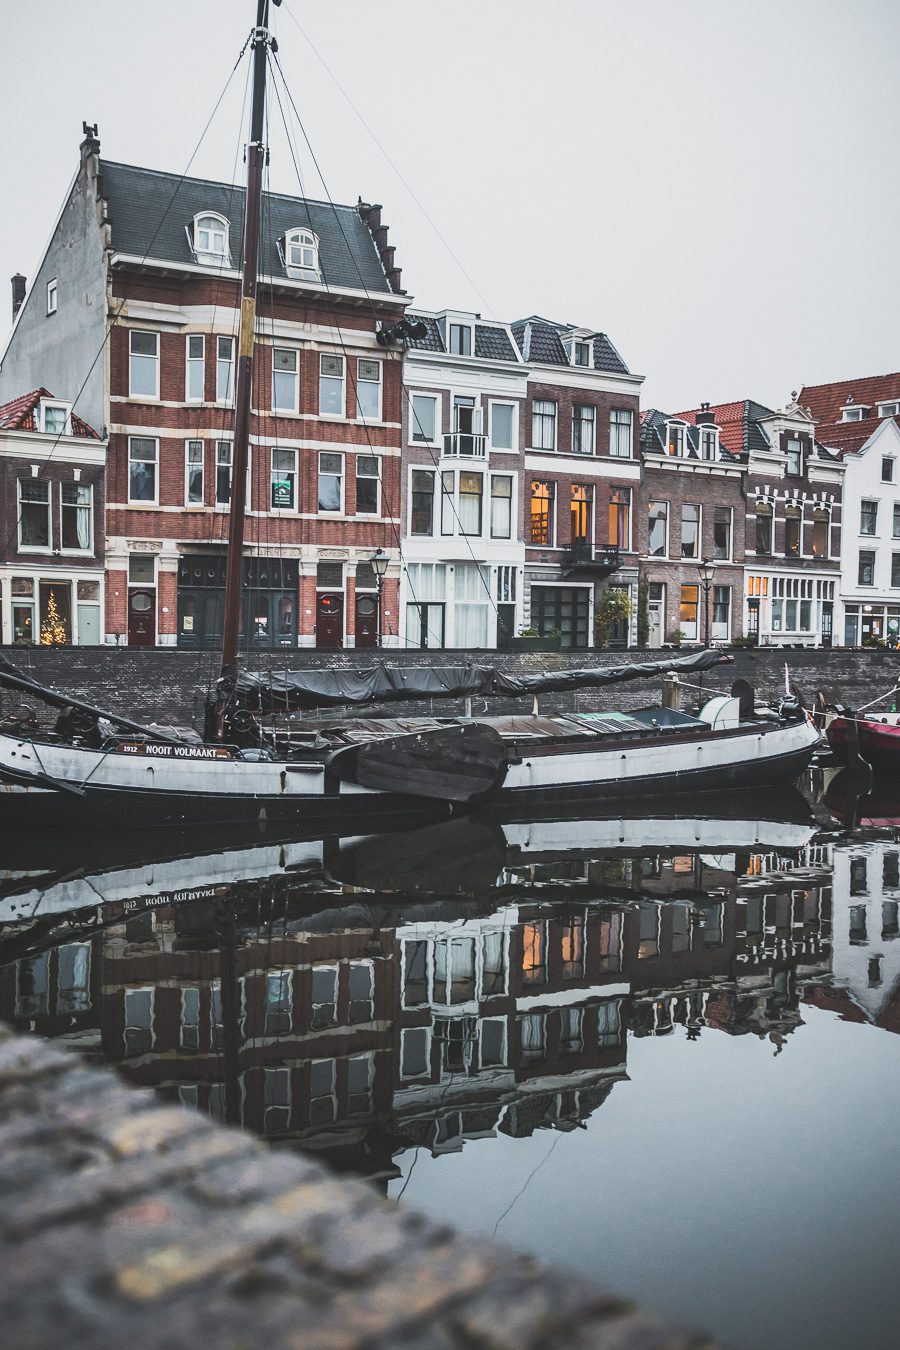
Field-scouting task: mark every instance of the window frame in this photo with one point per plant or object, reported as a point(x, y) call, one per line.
point(76, 507)
point(615, 422)
point(415, 492)
point(368, 478)
point(294, 406)
point(868, 508)
point(132, 459)
point(651, 553)
point(467, 347)
point(550, 485)
point(55, 405)
point(887, 462)
point(479, 496)
point(188, 465)
point(224, 503)
point(697, 555)
point(143, 356)
point(191, 363)
point(225, 400)
point(302, 237)
point(729, 552)
point(579, 422)
point(52, 296)
point(545, 419)
point(863, 566)
point(341, 476)
point(377, 416)
point(293, 475)
point(494, 496)
point(209, 257)
point(340, 380)
point(793, 450)
point(34, 548)
point(513, 407)
point(414, 421)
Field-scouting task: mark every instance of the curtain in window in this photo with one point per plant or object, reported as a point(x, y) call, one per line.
point(471, 593)
point(83, 518)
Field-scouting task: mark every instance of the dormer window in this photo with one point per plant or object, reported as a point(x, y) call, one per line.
point(54, 418)
point(889, 409)
point(794, 449)
point(460, 343)
point(854, 412)
point(709, 442)
point(675, 439)
point(300, 250)
point(210, 240)
point(578, 351)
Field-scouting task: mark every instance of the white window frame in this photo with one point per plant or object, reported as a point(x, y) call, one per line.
point(369, 478)
point(726, 634)
point(549, 403)
point(371, 361)
point(657, 501)
point(55, 405)
point(889, 408)
point(330, 511)
point(414, 423)
point(211, 257)
point(142, 356)
point(294, 405)
point(592, 423)
point(709, 442)
point(793, 440)
point(190, 365)
point(52, 296)
point(341, 379)
point(510, 478)
point(228, 399)
point(73, 506)
point(680, 431)
point(730, 554)
point(188, 464)
point(132, 459)
point(435, 501)
point(461, 328)
point(34, 548)
point(888, 459)
point(220, 463)
point(513, 448)
point(854, 412)
point(294, 476)
point(697, 556)
point(577, 345)
point(307, 241)
point(615, 432)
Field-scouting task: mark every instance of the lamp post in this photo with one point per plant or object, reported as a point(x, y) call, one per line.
point(379, 561)
point(707, 570)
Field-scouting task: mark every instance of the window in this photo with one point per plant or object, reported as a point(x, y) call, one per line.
point(887, 470)
point(331, 479)
point(193, 474)
point(859, 883)
point(141, 569)
point(502, 424)
point(721, 613)
point(471, 487)
point(868, 518)
point(224, 369)
point(138, 1021)
point(189, 1037)
point(763, 529)
point(583, 417)
point(532, 1033)
point(794, 448)
point(143, 454)
point(853, 414)
point(322, 1100)
point(366, 485)
point(55, 418)
point(324, 996)
point(276, 1100)
point(493, 1043)
point(284, 480)
point(34, 513)
point(301, 255)
point(676, 439)
point(52, 296)
point(889, 409)
point(454, 969)
point(582, 511)
point(493, 964)
point(543, 424)
point(534, 953)
point(448, 507)
point(709, 442)
point(331, 386)
point(195, 372)
point(895, 569)
point(460, 339)
point(657, 529)
point(820, 533)
point(422, 510)
point(581, 353)
point(722, 532)
point(143, 364)
point(792, 532)
point(424, 418)
point(620, 427)
point(570, 1038)
point(279, 1002)
point(414, 1052)
point(223, 472)
point(211, 239)
point(359, 1085)
point(896, 528)
point(620, 518)
point(368, 390)
point(543, 514)
point(866, 575)
point(415, 973)
point(573, 949)
point(690, 530)
point(76, 508)
point(285, 380)
point(609, 1024)
point(361, 987)
point(501, 506)
point(688, 612)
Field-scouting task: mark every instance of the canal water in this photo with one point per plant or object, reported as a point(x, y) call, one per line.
point(659, 1051)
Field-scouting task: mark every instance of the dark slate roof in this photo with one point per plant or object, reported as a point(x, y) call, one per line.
point(149, 213)
point(491, 341)
point(21, 414)
point(540, 340)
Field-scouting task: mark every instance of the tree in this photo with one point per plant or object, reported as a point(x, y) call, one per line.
point(53, 630)
point(613, 608)
point(643, 614)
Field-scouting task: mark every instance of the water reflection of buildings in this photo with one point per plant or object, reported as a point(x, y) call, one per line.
point(364, 1030)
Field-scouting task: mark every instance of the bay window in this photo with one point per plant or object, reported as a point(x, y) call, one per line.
point(471, 488)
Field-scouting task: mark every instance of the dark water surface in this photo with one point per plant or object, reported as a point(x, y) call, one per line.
point(658, 1051)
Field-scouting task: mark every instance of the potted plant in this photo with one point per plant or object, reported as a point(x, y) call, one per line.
point(530, 640)
point(675, 637)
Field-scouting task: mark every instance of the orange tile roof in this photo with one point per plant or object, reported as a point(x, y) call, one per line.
point(827, 401)
point(21, 414)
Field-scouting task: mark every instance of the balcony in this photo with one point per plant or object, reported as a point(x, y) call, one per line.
point(464, 445)
point(597, 559)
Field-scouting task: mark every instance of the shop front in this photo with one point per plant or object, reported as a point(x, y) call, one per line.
point(49, 607)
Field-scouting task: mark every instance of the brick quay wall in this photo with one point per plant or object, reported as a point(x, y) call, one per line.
point(129, 1222)
point(170, 686)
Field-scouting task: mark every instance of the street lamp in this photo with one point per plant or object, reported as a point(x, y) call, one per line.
point(707, 571)
point(379, 561)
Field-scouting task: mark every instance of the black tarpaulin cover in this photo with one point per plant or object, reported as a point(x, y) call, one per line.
point(285, 690)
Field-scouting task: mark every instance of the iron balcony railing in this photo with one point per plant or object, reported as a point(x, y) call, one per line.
point(464, 444)
point(597, 558)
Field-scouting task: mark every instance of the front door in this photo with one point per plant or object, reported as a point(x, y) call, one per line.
point(330, 620)
point(872, 629)
point(141, 619)
point(656, 608)
point(366, 621)
point(827, 623)
point(89, 625)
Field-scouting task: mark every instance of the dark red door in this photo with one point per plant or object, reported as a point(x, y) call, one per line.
point(330, 620)
point(366, 621)
point(141, 619)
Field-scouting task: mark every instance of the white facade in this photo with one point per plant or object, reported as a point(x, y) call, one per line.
point(870, 556)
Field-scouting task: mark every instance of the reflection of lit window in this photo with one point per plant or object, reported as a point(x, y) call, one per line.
point(534, 959)
point(573, 949)
point(649, 930)
point(610, 936)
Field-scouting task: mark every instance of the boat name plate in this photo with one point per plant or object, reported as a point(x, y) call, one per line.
point(161, 751)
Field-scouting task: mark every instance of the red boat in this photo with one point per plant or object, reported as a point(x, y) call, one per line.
point(879, 738)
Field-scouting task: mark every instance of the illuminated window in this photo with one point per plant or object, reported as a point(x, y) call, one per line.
point(620, 518)
point(542, 513)
point(582, 512)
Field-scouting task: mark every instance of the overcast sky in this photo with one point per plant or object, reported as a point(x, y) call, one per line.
point(713, 184)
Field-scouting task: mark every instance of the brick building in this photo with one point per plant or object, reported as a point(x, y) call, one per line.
point(464, 556)
point(52, 477)
point(794, 489)
point(134, 312)
point(582, 474)
point(859, 420)
point(692, 511)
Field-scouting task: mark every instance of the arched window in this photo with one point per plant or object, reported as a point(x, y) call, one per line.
point(210, 239)
point(301, 254)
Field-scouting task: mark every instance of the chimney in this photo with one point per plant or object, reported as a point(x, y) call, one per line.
point(704, 418)
point(18, 293)
point(91, 143)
